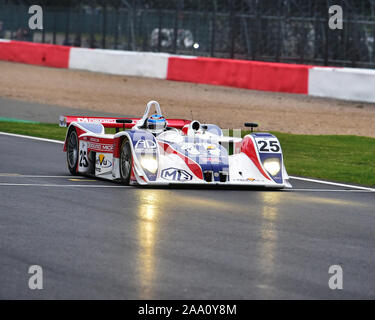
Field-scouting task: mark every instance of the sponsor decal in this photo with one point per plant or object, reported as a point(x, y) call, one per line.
point(190, 148)
point(248, 179)
point(212, 160)
point(145, 144)
point(175, 174)
point(63, 122)
point(100, 147)
point(212, 149)
point(102, 163)
point(93, 120)
point(107, 147)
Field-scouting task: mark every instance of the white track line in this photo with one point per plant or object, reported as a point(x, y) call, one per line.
point(333, 183)
point(30, 137)
point(327, 190)
point(60, 185)
point(292, 177)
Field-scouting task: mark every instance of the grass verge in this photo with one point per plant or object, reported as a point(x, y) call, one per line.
point(339, 158)
point(41, 130)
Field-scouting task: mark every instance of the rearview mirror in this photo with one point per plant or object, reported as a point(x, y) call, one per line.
point(251, 125)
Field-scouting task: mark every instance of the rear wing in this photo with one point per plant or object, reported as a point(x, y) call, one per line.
point(111, 122)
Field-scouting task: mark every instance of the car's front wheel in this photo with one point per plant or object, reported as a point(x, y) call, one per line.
point(126, 161)
point(72, 151)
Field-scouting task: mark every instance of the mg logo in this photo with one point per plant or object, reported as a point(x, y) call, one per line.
point(175, 174)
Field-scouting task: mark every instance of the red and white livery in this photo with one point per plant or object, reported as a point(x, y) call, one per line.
point(182, 152)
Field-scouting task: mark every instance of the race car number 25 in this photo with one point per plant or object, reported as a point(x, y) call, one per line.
point(268, 145)
point(83, 161)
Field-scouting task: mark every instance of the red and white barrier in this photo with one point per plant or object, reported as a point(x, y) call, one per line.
point(340, 83)
point(277, 77)
point(47, 55)
point(130, 63)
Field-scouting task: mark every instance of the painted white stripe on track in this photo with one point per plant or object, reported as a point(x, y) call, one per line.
point(332, 183)
point(327, 190)
point(30, 137)
point(60, 185)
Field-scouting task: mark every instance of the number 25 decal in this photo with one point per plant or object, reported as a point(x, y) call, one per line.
point(83, 159)
point(268, 145)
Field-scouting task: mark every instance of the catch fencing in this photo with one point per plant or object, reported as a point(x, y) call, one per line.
point(292, 31)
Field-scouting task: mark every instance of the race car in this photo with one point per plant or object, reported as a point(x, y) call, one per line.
point(153, 150)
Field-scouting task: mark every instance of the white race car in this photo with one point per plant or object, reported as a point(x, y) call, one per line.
point(153, 150)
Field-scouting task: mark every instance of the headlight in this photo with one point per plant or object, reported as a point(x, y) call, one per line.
point(150, 164)
point(272, 165)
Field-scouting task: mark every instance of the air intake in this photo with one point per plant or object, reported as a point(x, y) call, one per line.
point(208, 175)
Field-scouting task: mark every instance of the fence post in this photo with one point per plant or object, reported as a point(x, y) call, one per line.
point(231, 28)
point(44, 33)
point(355, 44)
point(303, 45)
point(92, 31)
point(316, 32)
point(279, 37)
point(175, 31)
point(54, 27)
point(143, 31)
point(326, 38)
point(67, 27)
point(104, 26)
point(116, 28)
point(128, 28)
point(213, 32)
point(257, 22)
point(159, 30)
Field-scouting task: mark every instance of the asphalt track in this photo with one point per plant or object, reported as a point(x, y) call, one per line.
point(96, 239)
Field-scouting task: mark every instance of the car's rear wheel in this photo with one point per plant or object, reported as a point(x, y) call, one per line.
point(72, 151)
point(126, 161)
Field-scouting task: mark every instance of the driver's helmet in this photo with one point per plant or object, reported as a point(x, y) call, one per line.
point(156, 123)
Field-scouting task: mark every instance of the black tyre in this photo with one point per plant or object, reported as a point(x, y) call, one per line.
point(126, 161)
point(72, 151)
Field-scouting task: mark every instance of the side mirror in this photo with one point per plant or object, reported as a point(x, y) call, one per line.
point(251, 125)
point(124, 121)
